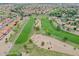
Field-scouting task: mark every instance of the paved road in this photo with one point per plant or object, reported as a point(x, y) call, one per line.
point(54, 44)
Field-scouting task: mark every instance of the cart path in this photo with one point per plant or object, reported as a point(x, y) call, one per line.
point(54, 44)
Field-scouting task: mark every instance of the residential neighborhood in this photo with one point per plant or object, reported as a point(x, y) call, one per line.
point(39, 29)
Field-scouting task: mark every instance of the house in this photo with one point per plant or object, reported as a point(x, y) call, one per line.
point(1, 25)
point(6, 30)
point(15, 23)
point(69, 22)
point(77, 19)
point(77, 29)
point(8, 20)
point(69, 27)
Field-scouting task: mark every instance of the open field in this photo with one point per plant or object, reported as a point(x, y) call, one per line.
point(60, 34)
point(53, 44)
point(26, 31)
point(33, 50)
point(37, 51)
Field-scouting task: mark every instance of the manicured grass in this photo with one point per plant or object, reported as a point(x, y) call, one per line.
point(23, 37)
point(60, 34)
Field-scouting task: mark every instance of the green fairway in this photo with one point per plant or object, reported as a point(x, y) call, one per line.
point(26, 31)
point(60, 34)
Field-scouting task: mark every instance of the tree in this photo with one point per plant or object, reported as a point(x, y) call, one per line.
point(37, 28)
point(22, 15)
point(58, 28)
point(65, 39)
point(6, 40)
point(58, 12)
point(74, 48)
point(50, 21)
point(19, 11)
point(19, 54)
point(71, 12)
point(30, 41)
point(42, 43)
point(6, 24)
point(74, 23)
point(48, 33)
point(74, 28)
point(25, 46)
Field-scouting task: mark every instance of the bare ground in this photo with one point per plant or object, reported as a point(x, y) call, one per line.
point(54, 44)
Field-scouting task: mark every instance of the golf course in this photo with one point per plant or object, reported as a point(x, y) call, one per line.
point(48, 28)
point(23, 37)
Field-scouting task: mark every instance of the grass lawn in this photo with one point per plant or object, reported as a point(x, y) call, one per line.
point(60, 34)
point(26, 31)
